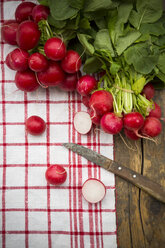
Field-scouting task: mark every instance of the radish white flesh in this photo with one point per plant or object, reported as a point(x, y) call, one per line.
point(82, 122)
point(93, 190)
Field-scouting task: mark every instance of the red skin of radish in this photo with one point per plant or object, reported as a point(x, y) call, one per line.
point(24, 11)
point(148, 91)
point(152, 127)
point(38, 62)
point(53, 76)
point(130, 134)
point(40, 12)
point(17, 60)
point(111, 123)
point(55, 49)
point(95, 118)
point(28, 35)
point(86, 84)
point(35, 125)
point(56, 175)
point(8, 32)
point(26, 81)
point(72, 62)
point(156, 112)
point(101, 102)
point(85, 100)
point(69, 83)
point(133, 121)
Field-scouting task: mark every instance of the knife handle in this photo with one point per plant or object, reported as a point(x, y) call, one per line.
point(152, 188)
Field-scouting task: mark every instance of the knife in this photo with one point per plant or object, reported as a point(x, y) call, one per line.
point(142, 182)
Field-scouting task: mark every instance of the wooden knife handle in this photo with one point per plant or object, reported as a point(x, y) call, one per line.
point(152, 188)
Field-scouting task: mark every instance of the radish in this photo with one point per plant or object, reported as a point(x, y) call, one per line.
point(56, 175)
point(28, 35)
point(133, 121)
point(101, 102)
point(52, 76)
point(8, 32)
point(152, 127)
point(85, 100)
point(17, 60)
point(86, 84)
point(72, 62)
point(35, 125)
point(156, 112)
point(24, 11)
point(148, 91)
point(40, 12)
point(93, 190)
point(69, 83)
point(55, 49)
point(26, 81)
point(95, 118)
point(130, 134)
point(82, 122)
point(38, 62)
point(111, 123)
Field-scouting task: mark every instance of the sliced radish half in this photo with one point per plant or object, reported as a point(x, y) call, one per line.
point(82, 122)
point(93, 190)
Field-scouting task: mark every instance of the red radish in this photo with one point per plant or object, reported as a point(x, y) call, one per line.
point(35, 125)
point(111, 123)
point(17, 60)
point(133, 121)
point(56, 175)
point(38, 62)
point(148, 91)
point(82, 122)
point(26, 81)
point(95, 118)
point(72, 62)
point(52, 76)
point(55, 49)
point(130, 134)
point(69, 83)
point(24, 11)
point(40, 12)
point(85, 100)
point(93, 190)
point(101, 102)
point(8, 32)
point(86, 84)
point(28, 35)
point(156, 112)
point(152, 127)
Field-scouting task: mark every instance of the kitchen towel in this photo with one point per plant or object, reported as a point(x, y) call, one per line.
point(34, 214)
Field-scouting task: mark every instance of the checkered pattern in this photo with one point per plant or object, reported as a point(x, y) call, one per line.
point(32, 213)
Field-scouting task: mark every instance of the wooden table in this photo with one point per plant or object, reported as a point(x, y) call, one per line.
point(141, 218)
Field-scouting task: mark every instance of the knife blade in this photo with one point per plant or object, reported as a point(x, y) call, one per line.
point(142, 182)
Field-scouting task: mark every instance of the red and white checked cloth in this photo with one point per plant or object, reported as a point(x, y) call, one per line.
point(32, 213)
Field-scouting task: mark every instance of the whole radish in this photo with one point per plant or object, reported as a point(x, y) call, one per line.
point(111, 123)
point(72, 62)
point(26, 81)
point(56, 174)
point(101, 102)
point(95, 118)
point(148, 91)
point(55, 49)
point(28, 35)
point(130, 134)
point(40, 12)
point(69, 83)
point(85, 100)
point(52, 76)
point(8, 32)
point(133, 121)
point(17, 60)
point(152, 127)
point(156, 112)
point(38, 62)
point(24, 11)
point(35, 125)
point(86, 84)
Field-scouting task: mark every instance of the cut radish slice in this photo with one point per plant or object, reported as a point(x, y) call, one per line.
point(93, 190)
point(82, 122)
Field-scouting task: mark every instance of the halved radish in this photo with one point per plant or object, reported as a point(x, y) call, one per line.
point(93, 190)
point(82, 122)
